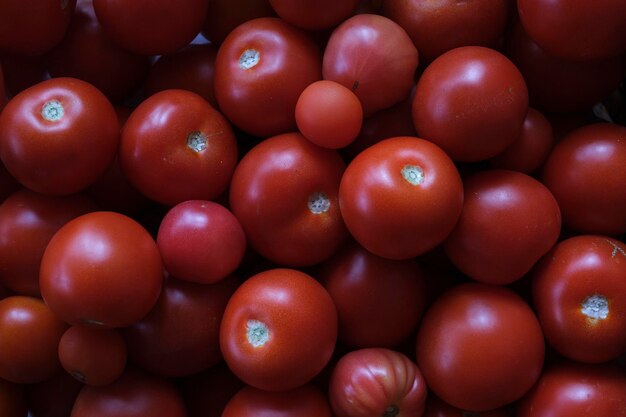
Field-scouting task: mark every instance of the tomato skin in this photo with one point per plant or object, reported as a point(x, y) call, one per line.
point(43, 131)
point(376, 382)
point(576, 269)
point(480, 347)
point(509, 221)
point(97, 262)
point(386, 213)
point(314, 14)
point(279, 329)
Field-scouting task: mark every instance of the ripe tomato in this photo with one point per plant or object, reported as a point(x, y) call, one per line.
point(279, 329)
point(43, 131)
point(401, 197)
point(480, 347)
point(376, 382)
point(314, 14)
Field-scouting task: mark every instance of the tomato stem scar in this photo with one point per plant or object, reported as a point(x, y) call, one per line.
point(595, 307)
point(249, 59)
point(52, 111)
point(318, 203)
point(413, 174)
point(257, 333)
point(391, 411)
point(197, 141)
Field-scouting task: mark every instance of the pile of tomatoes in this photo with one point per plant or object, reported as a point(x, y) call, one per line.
point(306, 208)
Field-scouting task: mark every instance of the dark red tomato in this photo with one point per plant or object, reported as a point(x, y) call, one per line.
point(576, 29)
point(225, 15)
point(180, 335)
point(95, 264)
point(579, 292)
point(471, 101)
point(509, 221)
point(435, 407)
point(437, 27)
point(90, 55)
point(376, 382)
point(531, 149)
point(134, 394)
point(480, 347)
point(151, 27)
point(374, 57)
point(43, 133)
point(586, 173)
point(314, 14)
point(29, 336)
point(572, 389)
point(401, 197)
point(379, 301)
point(304, 401)
point(260, 70)
point(175, 146)
point(12, 400)
point(191, 68)
point(285, 194)
point(53, 397)
point(32, 27)
point(279, 329)
point(28, 221)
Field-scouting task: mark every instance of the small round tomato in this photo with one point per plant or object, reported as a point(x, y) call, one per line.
point(279, 329)
point(58, 136)
point(376, 382)
point(401, 197)
point(314, 14)
point(480, 347)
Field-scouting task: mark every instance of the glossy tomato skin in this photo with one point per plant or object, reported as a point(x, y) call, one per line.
point(279, 329)
point(284, 192)
point(314, 14)
point(471, 101)
point(376, 382)
point(374, 57)
point(43, 131)
point(571, 389)
point(175, 146)
point(95, 264)
point(509, 221)
point(579, 292)
point(586, 172)
point(401, 197)
point(480, 347)
point(260, 70)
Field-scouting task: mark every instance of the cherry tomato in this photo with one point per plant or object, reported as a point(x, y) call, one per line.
point(279, 329)
point(314, 14)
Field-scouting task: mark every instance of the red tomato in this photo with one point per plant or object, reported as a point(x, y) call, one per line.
point(225, 15)
point(43, 133)
point(260, 70)
point(279, 329)
point(376, 382)
point(175, 146)
point(95, 264)
point(579, 292)
point(285, 194)
point(12, 400)
point(53, 397)
point(480, 347)
point(509, 221)
point(314, 14)
point(471, 101)
point(401, 197)
point(29, 336)
point(374, 57)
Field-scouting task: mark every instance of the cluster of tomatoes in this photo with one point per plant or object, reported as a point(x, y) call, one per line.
point(311, 208)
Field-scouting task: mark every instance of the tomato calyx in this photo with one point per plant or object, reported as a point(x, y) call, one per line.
point(257, 333)
point(413, 174)
point(52, 111)
point(391, 411)
point(249, 59)
point(595, 307)
point(318, 203)
point(197, 141)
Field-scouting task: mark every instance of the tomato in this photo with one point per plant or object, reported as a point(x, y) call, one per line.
point(304, 401)
point(284, 192)
point(509, 221)
point(471, 101)
point(480, 347)
point(580, 295)
point(53, 397)
point(43, 131)
point(586, 172)
point(95, 264)
point(151, 27)
point(437, 408)
point(329, 114)
point(260, 70)
point(93, 356)
point(225, 15)
point(175, 146)
point(29, 336)
point(376, 382)
point(314, 14)
point(279, 329)
point(12, 400)
point(572, 389)
point(401, 197)
point(374, 57)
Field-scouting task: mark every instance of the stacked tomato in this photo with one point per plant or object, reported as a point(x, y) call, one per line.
point(312, 208)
